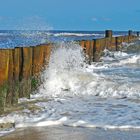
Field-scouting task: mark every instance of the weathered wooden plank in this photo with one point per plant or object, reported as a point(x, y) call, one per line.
point(4, 68)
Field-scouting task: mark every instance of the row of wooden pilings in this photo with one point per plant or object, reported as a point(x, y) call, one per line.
point(94, 48)
point(20, 68)
point(20, 71)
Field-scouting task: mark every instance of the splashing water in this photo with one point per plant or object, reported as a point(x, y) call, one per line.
point(101, 95)
point(116, 76)
point(66, 64)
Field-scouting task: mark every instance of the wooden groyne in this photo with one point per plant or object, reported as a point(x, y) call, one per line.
point(20, 68)
point(94, 48)
point(19, 72)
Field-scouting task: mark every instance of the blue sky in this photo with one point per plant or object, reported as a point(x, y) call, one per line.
point(70, 14)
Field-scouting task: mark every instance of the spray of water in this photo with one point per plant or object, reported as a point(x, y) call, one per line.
point(65, 69)
point(69, 75)
point(29, 31)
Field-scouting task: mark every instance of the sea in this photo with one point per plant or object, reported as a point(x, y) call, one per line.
point(103, 95)
point(22, 38)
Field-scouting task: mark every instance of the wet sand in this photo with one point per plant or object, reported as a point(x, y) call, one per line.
point(71, 133)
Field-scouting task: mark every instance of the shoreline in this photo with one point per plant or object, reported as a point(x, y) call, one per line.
point(71, 133)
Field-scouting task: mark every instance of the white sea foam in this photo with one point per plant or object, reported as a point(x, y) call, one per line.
point(5, 34)
point(89, 125)
point(76, 34)
point(110, 56)
point(135, 59)
point(2, 133)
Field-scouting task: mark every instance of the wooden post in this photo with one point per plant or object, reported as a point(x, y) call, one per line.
point(92, 50)
point(26, 72)
point(130, 32)
point(4, 68)
point(38, 60)
point(108, 33)
point(48, 48)
point(97, 50)
point(138, 34)
point(10, 78)
point(117, 44)
point(88, 50)
point(16, 74)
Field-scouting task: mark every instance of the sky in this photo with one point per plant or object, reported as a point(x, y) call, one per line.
point(92, 15)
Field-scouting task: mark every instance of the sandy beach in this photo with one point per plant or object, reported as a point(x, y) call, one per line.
point(71, 133)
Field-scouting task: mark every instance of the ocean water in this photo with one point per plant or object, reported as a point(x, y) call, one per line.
point(103, 95)
point(20, 38)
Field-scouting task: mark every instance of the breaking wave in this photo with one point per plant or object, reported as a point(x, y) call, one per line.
point(76, 34)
